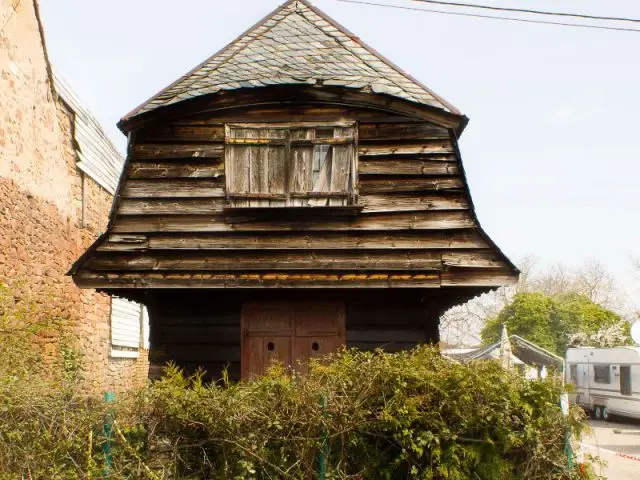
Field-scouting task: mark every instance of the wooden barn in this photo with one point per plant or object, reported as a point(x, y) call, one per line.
point(294, 192)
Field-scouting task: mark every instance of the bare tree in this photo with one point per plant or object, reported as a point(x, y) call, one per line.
point(461, 325)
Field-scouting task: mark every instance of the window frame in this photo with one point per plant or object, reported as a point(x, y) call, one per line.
point(597, 378)
point(292, 199)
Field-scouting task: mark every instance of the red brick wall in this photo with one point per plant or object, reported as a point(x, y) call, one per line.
point(43, 225)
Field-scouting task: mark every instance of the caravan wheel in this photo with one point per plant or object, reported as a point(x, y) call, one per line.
point(597, 412)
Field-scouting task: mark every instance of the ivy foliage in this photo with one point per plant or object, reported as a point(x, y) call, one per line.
point(550, 321)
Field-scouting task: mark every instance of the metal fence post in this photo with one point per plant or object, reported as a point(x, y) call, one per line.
point(109, 398)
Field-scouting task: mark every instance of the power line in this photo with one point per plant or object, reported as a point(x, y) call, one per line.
point(536, 12)
point(475, 15)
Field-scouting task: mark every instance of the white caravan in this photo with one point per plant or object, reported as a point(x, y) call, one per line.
point(607, 380)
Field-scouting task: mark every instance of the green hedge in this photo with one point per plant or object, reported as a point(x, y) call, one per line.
point(387, 416)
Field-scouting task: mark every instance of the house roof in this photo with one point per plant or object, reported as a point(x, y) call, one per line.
point(523, 349)
point(97, 156)
point(295, 44)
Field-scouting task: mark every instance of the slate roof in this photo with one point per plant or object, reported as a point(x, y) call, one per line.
point(296, 44)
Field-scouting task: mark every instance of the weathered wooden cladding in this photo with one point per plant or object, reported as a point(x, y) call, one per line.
point(410, 184)
point(173, 280)
point(191, 132)
point(456, 239)
point(317, 260)
point(165, 188)
point(428, 220)
point(176, 216)
point(370, 203)
point(160, 151)
point(407, 166)
point(173, 206)
point(425, 147)
point(401, 131)
point(412, 202)
point(177, 169)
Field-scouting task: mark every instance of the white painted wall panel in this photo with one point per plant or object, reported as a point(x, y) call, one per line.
point(126, 321)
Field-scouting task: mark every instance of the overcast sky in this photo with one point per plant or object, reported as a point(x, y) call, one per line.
point(551, 151)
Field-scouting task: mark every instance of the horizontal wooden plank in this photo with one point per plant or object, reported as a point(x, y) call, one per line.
point(404, 166)
point(480, 277)
point(133, 239)
point(272, 142)
point(161, 188)
point(181, 133)
point(483, 259)
point(158, 151)
point(412, 202)
point(319, 194)
point(436, 220)
point(322, 141)
point(173, 169)
point(274, 260)
point(370, 203)
point(401, 131)
point(462, 239)
point(196, 334)
point(409, 184)
point(267, 196)
point(134, 280)
point(425, 147)
point(163, 206)
point(288, 115)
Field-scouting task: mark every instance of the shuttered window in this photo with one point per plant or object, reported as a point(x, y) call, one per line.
point(272, 165)
point(129, 328)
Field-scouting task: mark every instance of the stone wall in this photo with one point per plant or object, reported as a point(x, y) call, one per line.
point(50, 212)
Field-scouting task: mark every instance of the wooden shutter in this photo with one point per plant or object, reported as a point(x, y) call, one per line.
point(287, 165)
point(301, 166)
point(322, 166)
point(256, 166)
point(129, 328)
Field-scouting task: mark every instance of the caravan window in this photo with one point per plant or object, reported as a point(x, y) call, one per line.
point(625, 379)
point(602, 373)
point(573, 374)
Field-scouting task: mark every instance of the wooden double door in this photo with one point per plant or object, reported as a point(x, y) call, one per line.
point(289, 333)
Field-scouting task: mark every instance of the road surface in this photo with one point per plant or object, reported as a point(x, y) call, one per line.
point(618, 443)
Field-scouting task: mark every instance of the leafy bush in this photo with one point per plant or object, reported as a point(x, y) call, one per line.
point(387, 416)
point(369, 415)
point(374, 415)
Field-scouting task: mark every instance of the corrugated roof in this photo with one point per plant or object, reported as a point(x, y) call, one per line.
point(97, 156)
point(296, 44)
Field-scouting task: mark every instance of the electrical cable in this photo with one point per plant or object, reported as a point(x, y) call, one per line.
point(475, 15)
point(535, 12)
